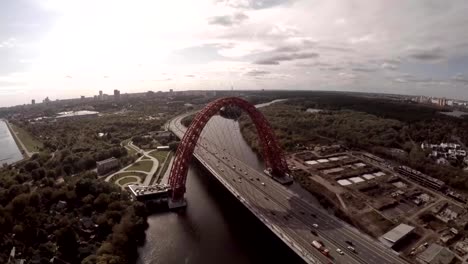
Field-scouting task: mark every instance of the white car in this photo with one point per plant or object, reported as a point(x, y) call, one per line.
point(315, 225)
point(351, 248)
point(263, 183)
point(339, 251)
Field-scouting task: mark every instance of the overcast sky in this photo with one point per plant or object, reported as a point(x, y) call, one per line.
point(68, 48)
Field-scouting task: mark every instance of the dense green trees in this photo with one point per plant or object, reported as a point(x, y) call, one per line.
point(375, 125)
point(44, 222)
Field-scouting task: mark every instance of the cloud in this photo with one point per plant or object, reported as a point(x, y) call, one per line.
point(346, 75)
point(256, 73)
point(362, 69)
point(389, 66)
point(276, 59)
point(9, 43)
point(460, 78)
point(228, 20)
point(333, 68)
point(362, 39)
point(255, 4)
point(430, 54)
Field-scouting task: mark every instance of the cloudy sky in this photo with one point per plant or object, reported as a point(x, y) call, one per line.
point(68, 48)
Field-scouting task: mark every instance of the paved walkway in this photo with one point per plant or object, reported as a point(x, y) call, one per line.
point(145, 154)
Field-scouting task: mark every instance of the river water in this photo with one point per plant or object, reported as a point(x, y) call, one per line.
point(9, 151)
point(215, 227)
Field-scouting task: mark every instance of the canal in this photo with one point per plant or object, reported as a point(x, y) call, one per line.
point(9, 152)
point(215, 227)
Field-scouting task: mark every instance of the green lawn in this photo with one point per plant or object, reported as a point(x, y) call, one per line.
point(126, 180)
point(116, 177)
point(131, 151)
point(144, 165)
point(160, 155)
point(31, 144)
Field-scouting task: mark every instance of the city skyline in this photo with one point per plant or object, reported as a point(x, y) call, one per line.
point(395, 47)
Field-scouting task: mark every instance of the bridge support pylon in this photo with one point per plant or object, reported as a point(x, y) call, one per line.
point(176, 204)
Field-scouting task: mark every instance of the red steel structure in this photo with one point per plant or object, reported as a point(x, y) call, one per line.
point(272, 154)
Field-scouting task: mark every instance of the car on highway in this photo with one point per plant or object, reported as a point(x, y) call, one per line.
point(351, 248)
point(349, 242)
point(263, 183)
point(315, 225)
point(339, 251)
point(245, 173)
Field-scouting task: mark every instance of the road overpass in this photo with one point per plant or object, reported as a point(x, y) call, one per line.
point(284, 212)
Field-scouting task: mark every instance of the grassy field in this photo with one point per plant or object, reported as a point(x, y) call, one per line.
point(144, 165)
point(31, 144)
point(130, 151)
point(160, 155)
point(126, 180)
point(116, 177)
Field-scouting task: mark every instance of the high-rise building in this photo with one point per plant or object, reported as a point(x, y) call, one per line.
point(442, 102)
point(33, 102)
point(46, 100)
point(171, 91)
point(82, 98)
point(100, 95)
point(116, 95)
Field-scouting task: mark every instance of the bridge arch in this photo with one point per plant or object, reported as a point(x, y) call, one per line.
point(272, 154)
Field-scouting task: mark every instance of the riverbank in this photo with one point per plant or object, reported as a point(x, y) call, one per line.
point(10, 152)
point(26, 154)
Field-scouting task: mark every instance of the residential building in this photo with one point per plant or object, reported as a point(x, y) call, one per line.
point(104, 166)
point(116, 95)
point(33, 102)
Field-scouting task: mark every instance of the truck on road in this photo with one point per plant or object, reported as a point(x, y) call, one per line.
point(319, 245)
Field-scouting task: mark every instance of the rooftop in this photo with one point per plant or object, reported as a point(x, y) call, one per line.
point(397, 233)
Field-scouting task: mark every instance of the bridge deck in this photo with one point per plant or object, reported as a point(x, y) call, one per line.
point(284, 212)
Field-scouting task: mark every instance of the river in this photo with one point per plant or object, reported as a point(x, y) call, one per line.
point(9, 152)
point(216, 227)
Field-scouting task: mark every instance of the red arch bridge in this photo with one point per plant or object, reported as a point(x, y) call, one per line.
point(295, 220)
point(274, 160)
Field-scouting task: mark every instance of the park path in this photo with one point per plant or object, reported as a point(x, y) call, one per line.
point(149, 175)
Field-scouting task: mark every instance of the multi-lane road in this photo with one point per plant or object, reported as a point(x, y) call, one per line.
point(294, 220)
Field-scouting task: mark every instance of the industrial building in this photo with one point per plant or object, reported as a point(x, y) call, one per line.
point(396, 235)
point(421, 178)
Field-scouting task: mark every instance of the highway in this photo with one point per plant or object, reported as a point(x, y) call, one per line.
point(291, 218)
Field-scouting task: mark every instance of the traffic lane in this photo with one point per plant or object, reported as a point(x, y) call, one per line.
point(329, 224)
point(241, 189)
point(323, 224)
point(333, 226)
point(300, 230)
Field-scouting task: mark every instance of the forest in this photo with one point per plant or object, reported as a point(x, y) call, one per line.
point(373, 124)
point(53, 205)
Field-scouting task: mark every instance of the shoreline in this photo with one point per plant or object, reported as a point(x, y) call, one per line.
point(24, 152)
